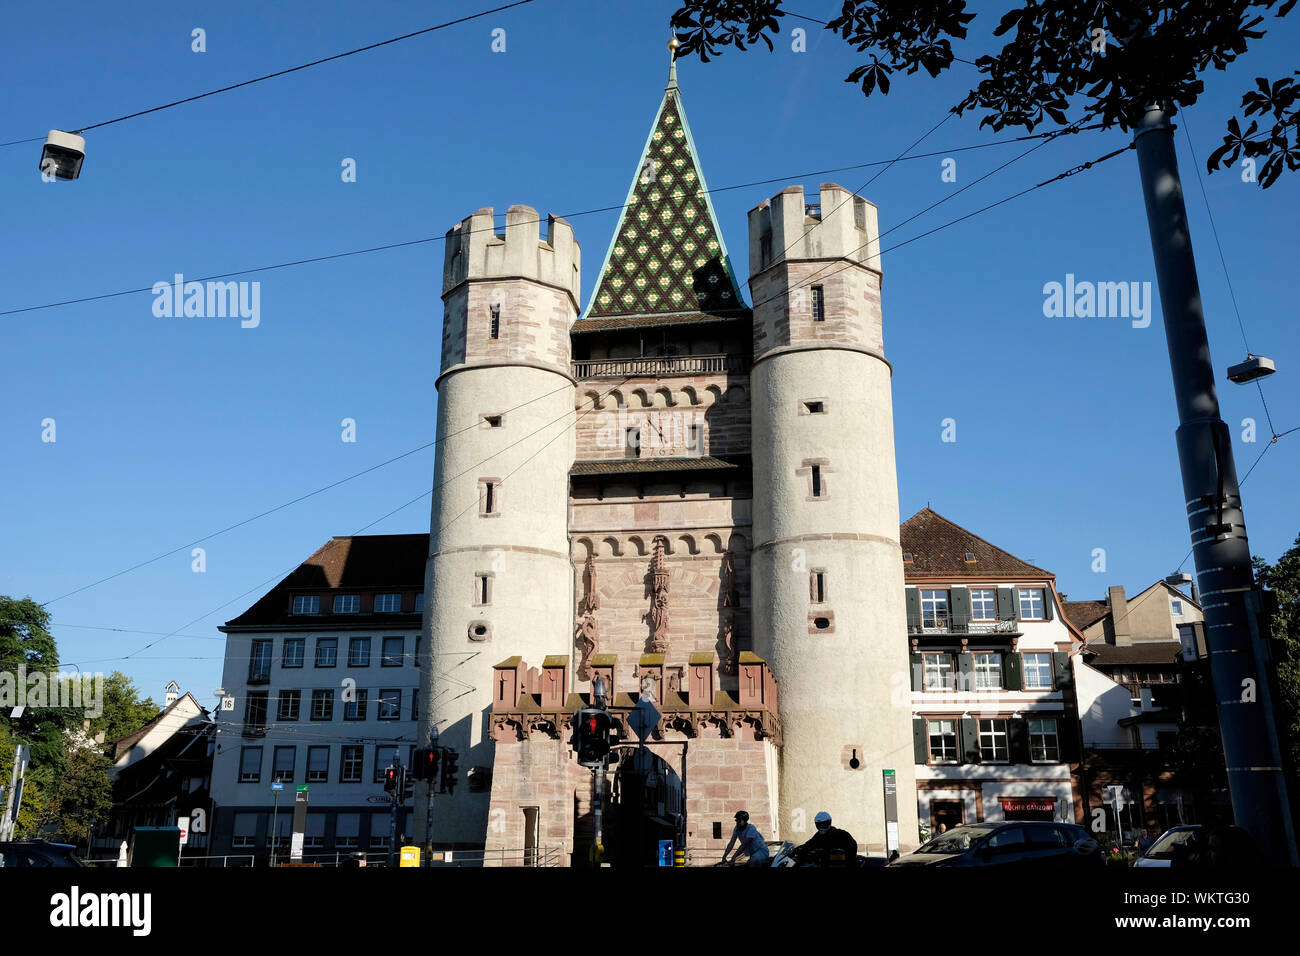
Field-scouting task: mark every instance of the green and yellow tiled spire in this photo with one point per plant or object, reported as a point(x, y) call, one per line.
point(667, 263)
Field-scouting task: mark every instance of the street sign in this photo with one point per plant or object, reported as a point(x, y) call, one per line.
point(642, 719)
point(891, 810)
point(374, 799)
point(277, 787)
point(184, 824)
point(227, 703)
point(303, 787)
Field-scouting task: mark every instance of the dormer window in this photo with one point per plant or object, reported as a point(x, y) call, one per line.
point(347, 603)
point(306, 604)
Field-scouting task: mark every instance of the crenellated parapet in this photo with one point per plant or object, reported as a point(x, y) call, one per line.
point(536, 703)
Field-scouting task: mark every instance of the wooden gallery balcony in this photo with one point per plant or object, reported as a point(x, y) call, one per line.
point(653, 366)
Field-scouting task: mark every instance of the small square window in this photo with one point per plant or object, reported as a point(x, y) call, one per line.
point(492, 421)
point(814, 408)
point(1176, 607)
point(306, 604)
point(347, 603)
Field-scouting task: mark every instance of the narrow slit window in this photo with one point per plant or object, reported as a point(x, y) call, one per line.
point(818, 304)
point(488, 499)
point(818, 588)
point(482, 589)
point(817, 481)
point(495, 331)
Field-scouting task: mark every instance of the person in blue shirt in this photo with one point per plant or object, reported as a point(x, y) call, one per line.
point(751, 841)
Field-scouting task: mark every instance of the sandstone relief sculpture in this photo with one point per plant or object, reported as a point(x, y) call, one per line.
point(587, 631)
point(658, 613)
point(727, 617)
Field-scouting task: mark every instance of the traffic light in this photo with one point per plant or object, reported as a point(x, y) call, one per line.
point(391, 781)
point(449, 770)
point(591, 736)
point(425, 765)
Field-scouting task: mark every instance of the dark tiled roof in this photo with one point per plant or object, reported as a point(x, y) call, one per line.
point(1085, 613)
point(939, 548)
point(122, 745)
point(639, 466)
point(603, 323)
point(1147, 652)
point(361, 563)
point(667, 257)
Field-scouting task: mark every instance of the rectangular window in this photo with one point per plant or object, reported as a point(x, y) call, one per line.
point(288, 706)
point(492, 421)
point(1044, 746)
point(380, 827)
point(1031, 604)
point(347, 603)
point(250, 764)
point(394, 650)
point(314, 833)
point(988, 671)
point(388, 604)
point(390, 704)
point(322, 705)
point(937, 672)
point(359, 652)
point(350, 759)
point(494, 330)
point(993, 740)
point(943, 740)
point(318, 764)
point(818, 304)
point(817, 481)
point(355, 709)
point(306, 604)
point(347, 831)
point(255, 713)
point(482, 589)
point(934, 609)
point(327, 651)
point(294, 648)
point(383, 759)
point(817, 587)
point(245, 831)
point(259, 662)
point(983, 604)
point(1038, 671)
point(815, 408)
point(282, 771)
point(1176, 607)
point(419, 603)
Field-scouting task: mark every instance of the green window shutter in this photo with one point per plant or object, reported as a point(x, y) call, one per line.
point(1011, 671)
point(1062, 675)
point(960, 598)
point(920, 741)
point(1048, 602)
point(970, 740)
point(965, 672)
point(913, 608)
point(918, 671)
point(1008, 604)
point(1067, 736)
point(1018, 739)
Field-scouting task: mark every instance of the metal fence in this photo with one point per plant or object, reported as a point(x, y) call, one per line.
point(534, 857)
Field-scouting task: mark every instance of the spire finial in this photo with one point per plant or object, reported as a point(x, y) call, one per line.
point(673, 44)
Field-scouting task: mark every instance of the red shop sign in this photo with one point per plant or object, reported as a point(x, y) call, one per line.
point(1029, 804)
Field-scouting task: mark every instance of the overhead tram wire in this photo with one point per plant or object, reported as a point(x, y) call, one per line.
point(293, 69)
point(1064, 175)
point(386, 247)
point(471, 468)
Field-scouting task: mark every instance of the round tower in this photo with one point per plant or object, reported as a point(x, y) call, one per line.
point(498, 574)
point(827, 585)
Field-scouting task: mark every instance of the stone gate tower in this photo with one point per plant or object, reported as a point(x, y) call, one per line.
point(498, 545)
point(827, 589)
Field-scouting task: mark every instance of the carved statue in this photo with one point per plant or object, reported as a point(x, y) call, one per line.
point(648, 688)
point(658, 614)
point(587, 631)
point(727, 643)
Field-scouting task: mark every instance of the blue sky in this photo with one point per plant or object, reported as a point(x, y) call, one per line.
point(171, 428)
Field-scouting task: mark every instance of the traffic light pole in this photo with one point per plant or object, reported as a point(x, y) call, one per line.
point(1238, 654)
point(396, 797)
point(428, 813)
point(598, 812)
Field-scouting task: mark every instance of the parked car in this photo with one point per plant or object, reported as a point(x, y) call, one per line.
point(38, 854)
point(1162, 852)
point(1022, 843)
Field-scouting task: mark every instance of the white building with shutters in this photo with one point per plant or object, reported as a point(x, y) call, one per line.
point(994, 715)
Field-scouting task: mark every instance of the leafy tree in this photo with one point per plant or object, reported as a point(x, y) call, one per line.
point(1283, 579)
point(1115, 56)
point(26, 642)
point(124, 711)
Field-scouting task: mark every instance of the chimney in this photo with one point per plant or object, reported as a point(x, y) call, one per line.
point(1119, 614)
point(171, 693)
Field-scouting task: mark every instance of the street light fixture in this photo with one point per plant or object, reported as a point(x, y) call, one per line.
point(63, 155)
point(1255, 366)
